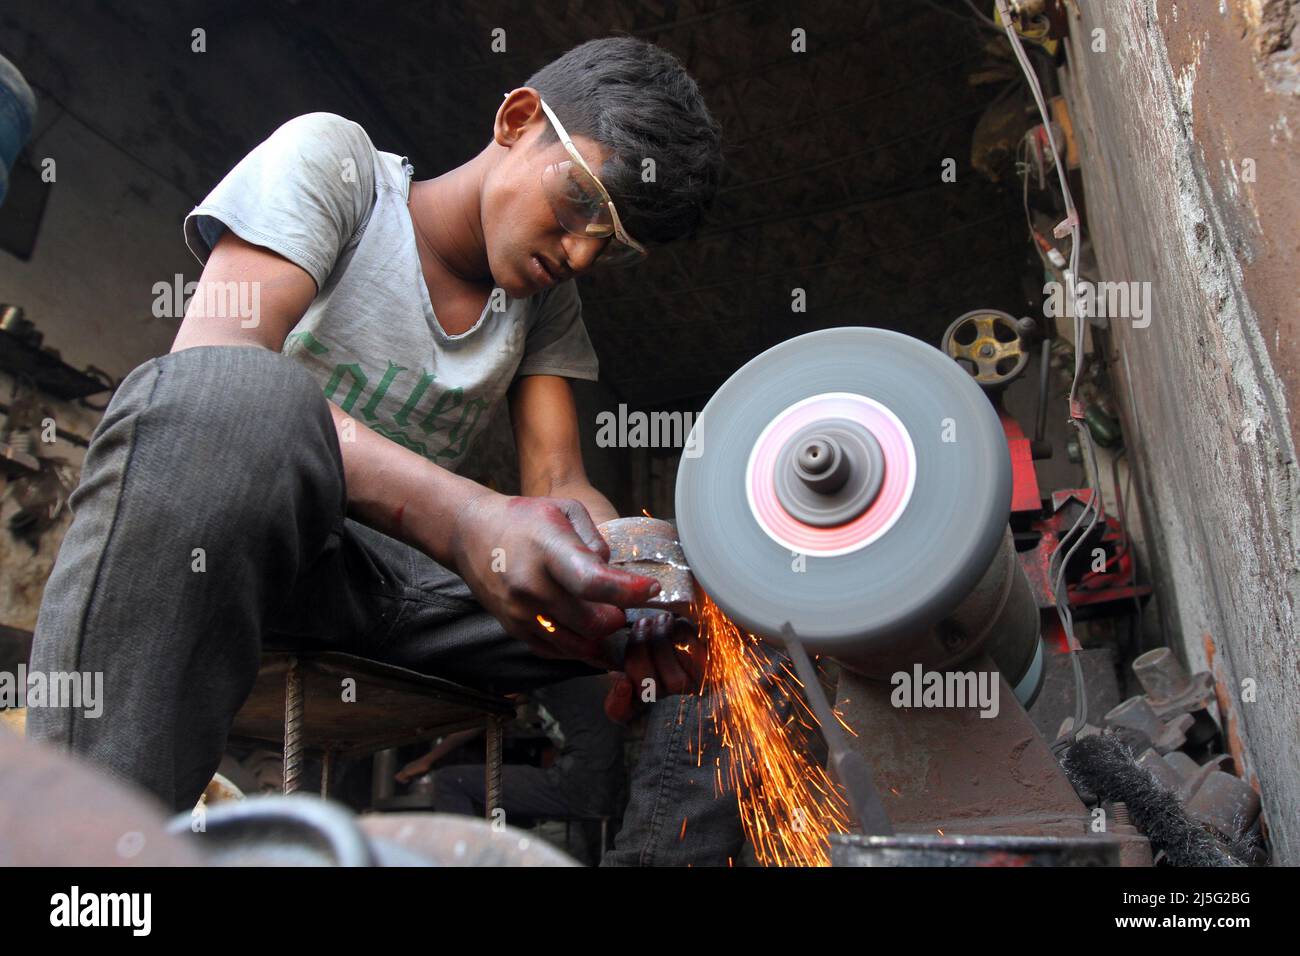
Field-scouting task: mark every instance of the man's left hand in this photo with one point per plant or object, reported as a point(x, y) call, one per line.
point(664, 656)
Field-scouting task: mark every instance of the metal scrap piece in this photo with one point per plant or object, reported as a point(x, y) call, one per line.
point(649, 546)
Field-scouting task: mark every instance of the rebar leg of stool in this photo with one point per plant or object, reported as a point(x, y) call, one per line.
point(294, 707)
point(326, 764)
point(495, 733)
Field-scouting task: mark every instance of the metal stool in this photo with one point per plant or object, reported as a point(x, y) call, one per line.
point(385, 706)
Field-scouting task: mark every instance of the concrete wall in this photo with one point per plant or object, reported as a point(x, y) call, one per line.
point(1187, 121)
point(111, 230)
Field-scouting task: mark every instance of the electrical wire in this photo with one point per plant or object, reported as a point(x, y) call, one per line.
point(981, 21)
point(1092, 509)
point(983, 17)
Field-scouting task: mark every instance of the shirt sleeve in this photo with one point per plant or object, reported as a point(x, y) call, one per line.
point(557, 342)
point(302, 193)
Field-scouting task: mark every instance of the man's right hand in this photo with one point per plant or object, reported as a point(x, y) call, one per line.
point(530, 558)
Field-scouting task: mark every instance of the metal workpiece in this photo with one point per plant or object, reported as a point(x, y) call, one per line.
point(932, 849)
point(1169, 688)
point(649, 546)
point(871, 590)
point(1136, 715)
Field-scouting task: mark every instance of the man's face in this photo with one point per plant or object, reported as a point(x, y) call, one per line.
point(527, 248)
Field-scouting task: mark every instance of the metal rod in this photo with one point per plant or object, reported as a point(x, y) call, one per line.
point(850, 769)
point(1045, 365)
point(493, 768)
point(294, 708)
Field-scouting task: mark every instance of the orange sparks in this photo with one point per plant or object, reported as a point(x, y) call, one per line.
point(788, 804)
point(550, 628)
point(840, 718)
point(646, 513)
point(681, 836)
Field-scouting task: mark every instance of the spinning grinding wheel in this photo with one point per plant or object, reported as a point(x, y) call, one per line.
point(989, 345)
point(851, 484)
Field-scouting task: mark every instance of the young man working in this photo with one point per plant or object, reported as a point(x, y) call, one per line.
point(225, 503)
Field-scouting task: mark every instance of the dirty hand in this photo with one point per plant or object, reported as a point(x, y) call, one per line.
point(526, 558)
point(664, 656)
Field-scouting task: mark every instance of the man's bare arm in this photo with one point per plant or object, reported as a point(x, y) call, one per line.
point(553, 560)
point(389, 487)
point(545, 421)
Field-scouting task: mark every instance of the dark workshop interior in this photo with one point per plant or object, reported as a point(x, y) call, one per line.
point(1113, 530)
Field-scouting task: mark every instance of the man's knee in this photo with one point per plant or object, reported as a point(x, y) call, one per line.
point(243, 392)
point(221, 424)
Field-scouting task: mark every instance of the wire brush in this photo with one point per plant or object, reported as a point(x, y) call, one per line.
point(1101, 764)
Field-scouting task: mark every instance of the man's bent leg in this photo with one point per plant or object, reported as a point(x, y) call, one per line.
point(676, 815)
point(212, 480)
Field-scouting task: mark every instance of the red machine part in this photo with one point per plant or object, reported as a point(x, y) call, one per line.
point(1109, 582)
point(1025, 497)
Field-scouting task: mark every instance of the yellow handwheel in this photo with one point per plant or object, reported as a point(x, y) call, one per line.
point(989, 345)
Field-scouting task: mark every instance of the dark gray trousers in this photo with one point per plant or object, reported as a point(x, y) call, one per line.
point(210, 522)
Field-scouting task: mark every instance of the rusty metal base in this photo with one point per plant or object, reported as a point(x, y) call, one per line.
point(948, 771)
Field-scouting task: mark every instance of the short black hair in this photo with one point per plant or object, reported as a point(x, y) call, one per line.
point(639, 102)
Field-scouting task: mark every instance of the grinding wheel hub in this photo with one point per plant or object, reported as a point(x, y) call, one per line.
point(881, 473)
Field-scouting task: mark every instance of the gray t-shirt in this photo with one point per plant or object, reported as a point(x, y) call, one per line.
point(318, 193)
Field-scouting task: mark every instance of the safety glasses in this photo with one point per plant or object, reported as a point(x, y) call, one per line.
point(582, 205)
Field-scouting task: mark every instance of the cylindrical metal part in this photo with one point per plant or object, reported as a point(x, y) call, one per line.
point(1224, 802)
point(1161, 675)
point(999, 616)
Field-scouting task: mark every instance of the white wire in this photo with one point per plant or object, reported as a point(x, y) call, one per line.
point(1092, 509)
